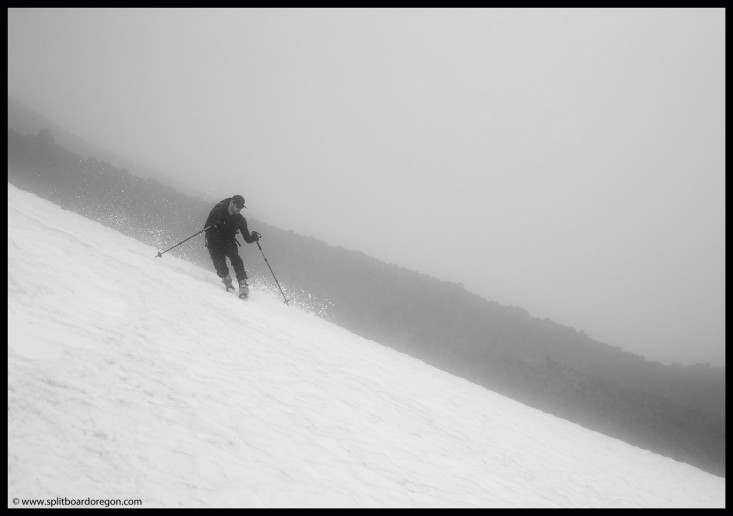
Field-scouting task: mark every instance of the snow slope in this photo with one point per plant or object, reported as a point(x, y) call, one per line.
point(133, 377)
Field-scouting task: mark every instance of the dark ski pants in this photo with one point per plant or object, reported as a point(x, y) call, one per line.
point(220, 252)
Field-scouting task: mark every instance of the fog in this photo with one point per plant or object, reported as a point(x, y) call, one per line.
point(570, 162)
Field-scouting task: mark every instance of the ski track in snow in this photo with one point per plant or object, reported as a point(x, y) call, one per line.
point(132, 376)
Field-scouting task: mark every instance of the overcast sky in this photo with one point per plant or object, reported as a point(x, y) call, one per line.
point(570, 162)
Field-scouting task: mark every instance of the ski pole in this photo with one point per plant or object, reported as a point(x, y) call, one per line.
point(273, 274)
point(160, 255)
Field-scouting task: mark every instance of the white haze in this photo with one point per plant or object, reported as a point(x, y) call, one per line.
point(569, 161)
point(132, 377)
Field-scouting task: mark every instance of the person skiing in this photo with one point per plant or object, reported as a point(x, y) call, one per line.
point(221, 229)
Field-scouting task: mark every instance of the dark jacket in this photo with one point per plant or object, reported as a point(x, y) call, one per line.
point(223, 227)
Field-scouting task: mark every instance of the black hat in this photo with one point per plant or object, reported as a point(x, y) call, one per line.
point(239, 201)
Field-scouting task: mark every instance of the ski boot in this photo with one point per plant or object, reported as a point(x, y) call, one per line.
point(243, 289)
point(227, 280)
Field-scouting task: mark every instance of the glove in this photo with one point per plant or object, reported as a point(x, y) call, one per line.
point(256, 235)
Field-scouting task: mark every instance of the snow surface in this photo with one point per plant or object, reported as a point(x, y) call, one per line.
point(134, 377)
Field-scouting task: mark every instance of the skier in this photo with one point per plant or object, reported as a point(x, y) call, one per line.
point(223, 223)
